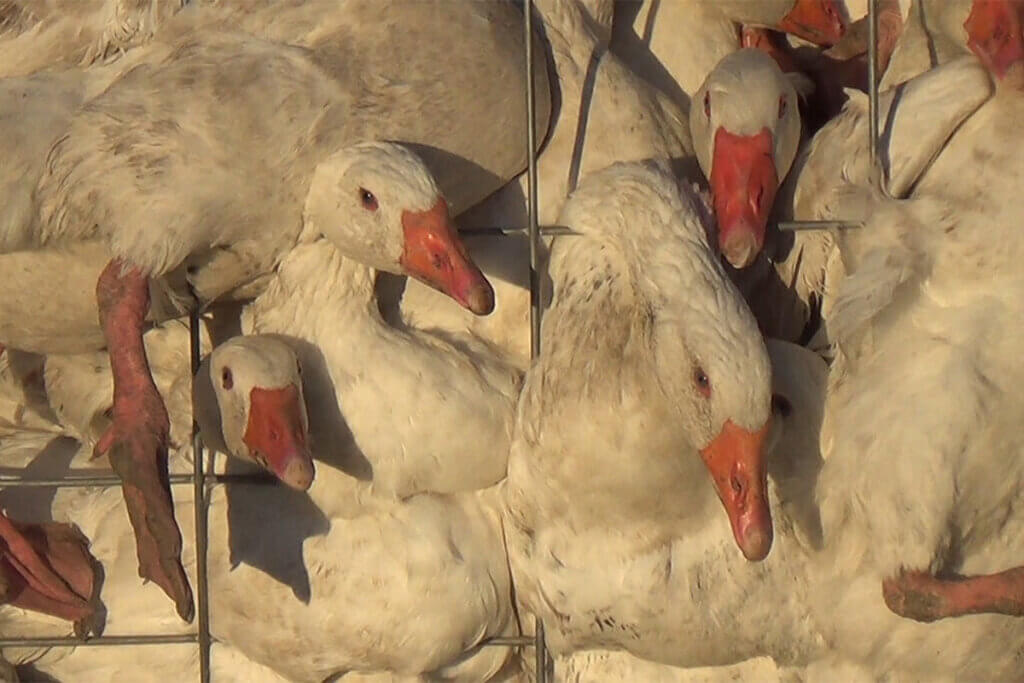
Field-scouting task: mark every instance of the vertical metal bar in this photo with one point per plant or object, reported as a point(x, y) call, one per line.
point(873, 86)
point(531, 189)
point(199, 507)
point(540, 650)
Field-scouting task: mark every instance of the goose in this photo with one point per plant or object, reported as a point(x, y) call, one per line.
point(387, 379)
point(79, 391)
point(691, 376)
point(348, 582)
point(674, 45)
point(656, 568)
point(347, 35)
point(91, 192)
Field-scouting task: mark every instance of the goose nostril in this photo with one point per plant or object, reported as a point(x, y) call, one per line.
point(755, 200)
point(440, 261)
point(737, 484)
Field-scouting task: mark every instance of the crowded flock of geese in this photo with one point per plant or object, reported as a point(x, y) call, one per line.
point(741, 452)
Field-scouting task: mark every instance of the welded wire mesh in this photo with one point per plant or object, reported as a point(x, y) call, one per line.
point(201, 481)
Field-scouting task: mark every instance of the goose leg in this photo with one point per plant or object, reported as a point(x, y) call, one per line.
point(923, 597)
point(136, 441)
point(48, 568)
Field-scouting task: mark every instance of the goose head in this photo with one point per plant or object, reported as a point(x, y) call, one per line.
point(379, 205)
point(746, 127)
point(258, 412)
point(994, 34)
point(822, 22)
point(712, 370)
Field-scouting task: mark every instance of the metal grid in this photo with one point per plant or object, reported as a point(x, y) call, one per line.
point(201, 481)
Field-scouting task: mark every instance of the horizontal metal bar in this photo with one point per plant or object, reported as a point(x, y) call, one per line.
point(113, 480)
point(500, 231)
point(550, 230)
point(792, 226)
point(70, 641)
point(508, 641)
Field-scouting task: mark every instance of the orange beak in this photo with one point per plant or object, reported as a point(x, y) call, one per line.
point(819, 21)
point(736, 461)
point(276, 435)
point(434, 254)
point(743, 186)
point(994, 33)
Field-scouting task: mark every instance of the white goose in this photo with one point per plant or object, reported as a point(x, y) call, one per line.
point(38, 109)
point(346, 582)
point(79, 390)
point(713, 580)
point(247, 197)
point(651, 363)
point(386, 380)
point(674, 45)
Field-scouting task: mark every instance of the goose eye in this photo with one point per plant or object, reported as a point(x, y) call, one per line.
point(782, 106)
point(707, 104)
point(367, 199)
point(226, 380)
point(298, 367)
point(700, 378)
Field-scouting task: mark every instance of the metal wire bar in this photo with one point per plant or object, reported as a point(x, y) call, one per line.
point(69, 641)
point(508, 641)
point(200, 511)
point(873, 88)
point(113, 480)
point(795, 226)
point(545, 230)
point(531, 184)
point(540, 648)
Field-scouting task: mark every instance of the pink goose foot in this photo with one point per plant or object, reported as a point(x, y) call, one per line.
point(48, 568)
point(136, 441)
point(923, 597)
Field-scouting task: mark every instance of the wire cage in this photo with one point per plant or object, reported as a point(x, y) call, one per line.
point(202, 481)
